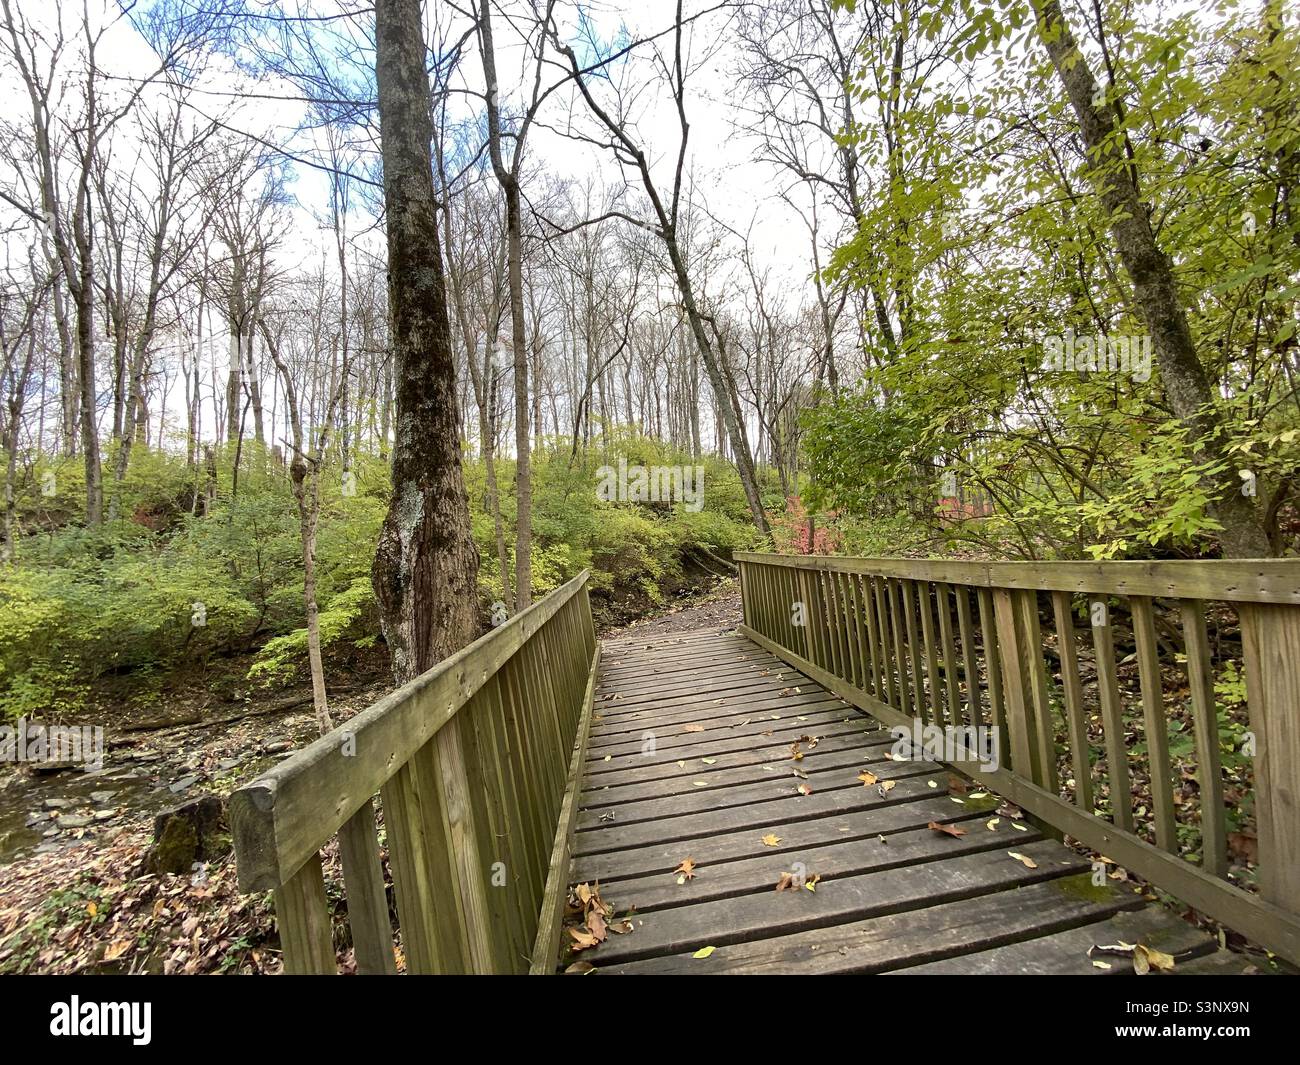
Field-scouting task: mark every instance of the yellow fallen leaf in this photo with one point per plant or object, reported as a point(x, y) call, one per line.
point(888, 785)
point(771, 839)
point(932, 783)
point(1101, 964)
point(992, 823)
point(1018, 826)
point(708, 761)
point(1024, 860)
point(867, 778)
point(703, 952)
point(700, 783)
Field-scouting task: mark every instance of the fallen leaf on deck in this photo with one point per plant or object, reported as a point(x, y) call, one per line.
point(685, 871)
point(947, 830)
point(693, 728)
point(804, 789)
point(1147, 958)
point(867, 778)
point(992, 823)
point(1027, 862)
point(704, 952)
point(771, 839)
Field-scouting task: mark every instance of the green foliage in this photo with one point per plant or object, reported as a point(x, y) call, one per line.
point(985, 237)
point(174, 579)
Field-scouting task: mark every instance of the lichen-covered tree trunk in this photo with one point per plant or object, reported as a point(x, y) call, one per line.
point(1185, 381)
point(426, 565)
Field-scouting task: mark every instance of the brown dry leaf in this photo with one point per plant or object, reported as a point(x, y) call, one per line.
point(693, 728)
point(1244, 846)
point(867, 778)
point(117, 949)
point(1011, 810)
point(685, 871)
point(795, 753)
point(1024, 860)
point(786, 691)
point(770, 840)
point(583, 940)
point(947, 830)
point(581, 968)
point(804, 789)
point(888, 785)
point(596, 925)
point(1147, 958)
point(786, 881)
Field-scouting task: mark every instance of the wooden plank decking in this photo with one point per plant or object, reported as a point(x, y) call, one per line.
point(690, 757)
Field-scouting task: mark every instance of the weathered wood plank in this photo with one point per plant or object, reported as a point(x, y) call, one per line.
point(302, 917)
point(546, 947)
point(1236, 580)
point(363, 876)
point(771, 913)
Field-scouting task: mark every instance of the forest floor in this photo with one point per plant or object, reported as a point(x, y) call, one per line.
point(74, 897)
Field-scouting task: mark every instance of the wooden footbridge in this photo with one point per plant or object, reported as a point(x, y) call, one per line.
point(745, 801)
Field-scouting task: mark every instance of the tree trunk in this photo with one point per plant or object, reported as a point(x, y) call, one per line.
point(1185, 381)
point(426, 565)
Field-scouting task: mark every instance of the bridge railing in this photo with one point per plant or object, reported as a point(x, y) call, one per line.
point(957, 645)
point(476, 764)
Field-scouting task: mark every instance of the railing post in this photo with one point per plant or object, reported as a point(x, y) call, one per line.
point(372, 932)
point(303, 918)
point(1271, 640)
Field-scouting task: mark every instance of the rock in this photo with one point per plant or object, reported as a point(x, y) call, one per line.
point(278, 747)
point(189, 833)
point(46, 848)
point(45, 769)
point(57, 804)
point(228, 763)
point(50, 832)
point(74, 821)
point(36, 817)
point(105, 815)
point(101, 796)
point(184, 784)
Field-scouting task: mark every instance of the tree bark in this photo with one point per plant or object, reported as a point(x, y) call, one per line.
point(426, 565)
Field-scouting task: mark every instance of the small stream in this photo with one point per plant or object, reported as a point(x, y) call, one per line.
point(41, 812)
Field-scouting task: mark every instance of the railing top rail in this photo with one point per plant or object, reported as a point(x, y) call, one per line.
point(1267, 580)
point(283, 817)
